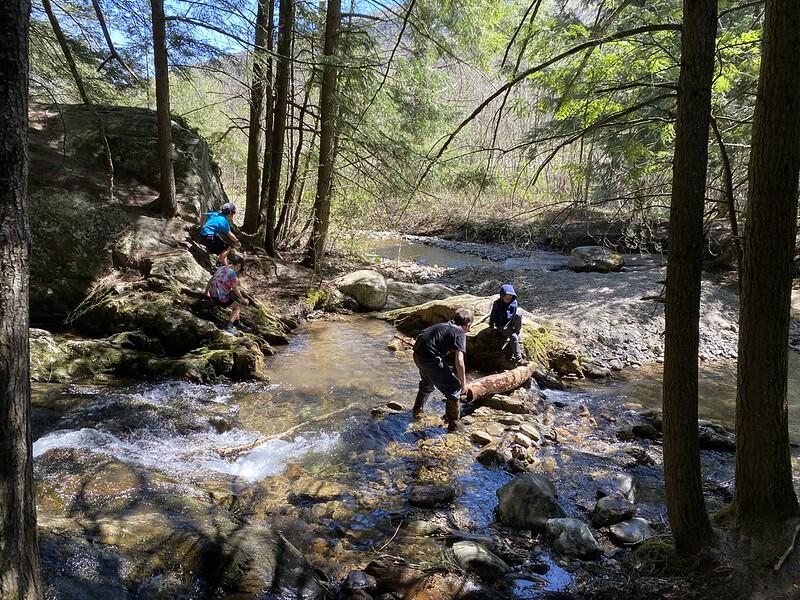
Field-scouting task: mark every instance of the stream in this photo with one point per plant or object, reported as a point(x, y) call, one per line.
point(174, 429)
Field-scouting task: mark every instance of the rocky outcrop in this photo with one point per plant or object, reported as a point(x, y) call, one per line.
point(366, 287)
point(104, 263)
point(79, 230)
point(595, 258)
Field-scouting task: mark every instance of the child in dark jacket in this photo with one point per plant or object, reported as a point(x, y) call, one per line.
point(505, 318)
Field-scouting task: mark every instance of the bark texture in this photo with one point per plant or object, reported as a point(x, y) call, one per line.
point(169, 204)
point(764, 495)
point(691, 528)
point(285, 29)
point(499, 383)
point(260, 65)
point(19, 550)
point(322, 201)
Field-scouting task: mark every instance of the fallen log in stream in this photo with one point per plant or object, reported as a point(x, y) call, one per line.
point(499, 383)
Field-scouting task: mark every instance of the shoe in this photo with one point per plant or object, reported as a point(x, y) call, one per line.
point(230, 329)
point(419, 404)
point(242, 327)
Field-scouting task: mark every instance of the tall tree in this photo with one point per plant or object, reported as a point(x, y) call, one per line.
point(269, 102)
point(19, 550)
point(327, 112)
point(285, 33)
point(257, 86)
point(764, 495)
point(691, 529)
point(168, 202)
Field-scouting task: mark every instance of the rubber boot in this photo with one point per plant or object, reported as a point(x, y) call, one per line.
point(419, 403)
point(452, 413)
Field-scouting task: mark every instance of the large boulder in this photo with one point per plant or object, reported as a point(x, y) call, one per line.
point(366, 287)
point(485, 346)
point(595, 258)
point(527, 502)
point(402, 294)
point(79, 230)
point(634, 531)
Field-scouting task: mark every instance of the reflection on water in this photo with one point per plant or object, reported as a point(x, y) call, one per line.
point(399, 249)
point(717, 391)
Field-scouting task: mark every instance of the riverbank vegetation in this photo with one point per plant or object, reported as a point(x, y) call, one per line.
point(649, 126)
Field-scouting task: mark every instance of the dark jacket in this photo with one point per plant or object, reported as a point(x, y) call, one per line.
point(502, 313)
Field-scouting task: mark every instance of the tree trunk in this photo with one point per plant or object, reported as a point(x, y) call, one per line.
point(499, 383)
point(285, 28)
point(283, 221)
point(260, 61)
point(765, 497)
point(322, 202)
point(169, 204)
point(269, 136)
point(19, 550)
point(691, 529)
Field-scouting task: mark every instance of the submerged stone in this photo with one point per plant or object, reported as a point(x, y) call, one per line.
point(430, 496)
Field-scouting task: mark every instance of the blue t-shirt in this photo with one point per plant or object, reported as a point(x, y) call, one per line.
point(216, 223)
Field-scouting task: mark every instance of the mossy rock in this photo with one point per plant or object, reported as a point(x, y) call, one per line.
point(484, 344)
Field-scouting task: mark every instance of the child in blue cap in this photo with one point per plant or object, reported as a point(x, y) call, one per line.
point(505, 318)
point(216, 232)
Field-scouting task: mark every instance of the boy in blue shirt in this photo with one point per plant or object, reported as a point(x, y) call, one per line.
point(216, 233)
point(505, 318)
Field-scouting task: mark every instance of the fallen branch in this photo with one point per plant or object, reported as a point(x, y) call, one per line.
point(789, 550)
point(236, 450)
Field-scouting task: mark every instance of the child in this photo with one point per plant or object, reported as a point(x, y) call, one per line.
point(216, 232)
point(506, 320)
point(222, 286)
point(432, 345)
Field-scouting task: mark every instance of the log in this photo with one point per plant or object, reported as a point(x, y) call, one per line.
point(499, 383)
point(229, 451)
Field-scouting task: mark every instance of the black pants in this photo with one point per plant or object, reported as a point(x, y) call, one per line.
point(216, 244)
point(434, 373)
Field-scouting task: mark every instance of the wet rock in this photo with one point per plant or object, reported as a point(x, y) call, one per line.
point(530, 431)
point(548, 379)
point(517, 465)
point(474, 558)
point(358, 595)
point(509, 421)
point(715, 437)
point(366, 287)
point(393, 405)
point(633, 531)
point(359, 580)
point(507, 404)
point(595, 370)
point(495, 429)
point(315, 489)
point(595, 259)
point(645, 431)
point(623, 484)
point(573, 538)
point(523, 440)
point(491, 457)
point(481, 437)
point(612, 509)
point(615, 364)
point(425, 529)
point(430, 496)
point(527, 502)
